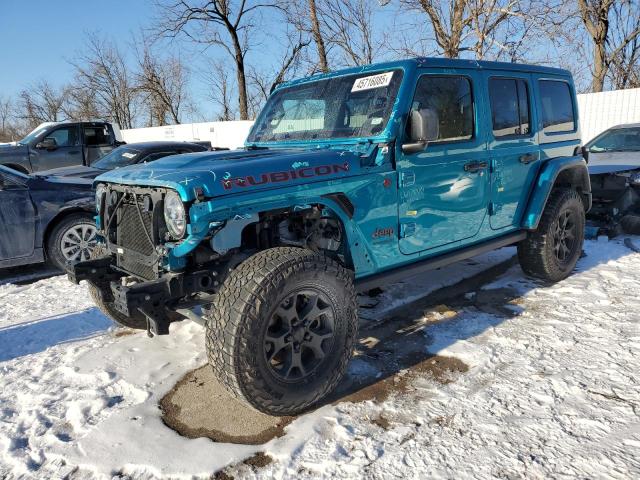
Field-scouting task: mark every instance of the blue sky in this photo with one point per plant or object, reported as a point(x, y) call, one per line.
point(37, 37)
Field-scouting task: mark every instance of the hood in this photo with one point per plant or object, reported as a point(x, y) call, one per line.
point(13, 149)
point(611, 162)
point(64, 184)
point(79, 171)
point(240, 171)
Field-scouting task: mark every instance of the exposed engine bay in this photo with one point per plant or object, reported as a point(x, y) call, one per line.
point(616, 204)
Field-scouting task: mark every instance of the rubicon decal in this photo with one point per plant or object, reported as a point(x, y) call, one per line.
point(284, 176)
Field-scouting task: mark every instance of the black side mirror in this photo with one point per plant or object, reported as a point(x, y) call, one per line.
point(581, 150)
point(424, 127)
point(47, 144)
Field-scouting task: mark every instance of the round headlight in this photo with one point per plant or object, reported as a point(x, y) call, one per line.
point(100, 191)
point(174, 215)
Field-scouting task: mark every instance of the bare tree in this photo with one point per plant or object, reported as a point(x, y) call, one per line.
point(8, 127)
point(624, 66)
point(349, 26)
point(262, 83)
point(42, 103)
point(80, 104)
point(163, 82)
point(228, 24)
point(317, 36)
point(596, 16)
point(6, 107)
point(103, 72)
point(466, 25)
point(221, 90)
point(304, 16)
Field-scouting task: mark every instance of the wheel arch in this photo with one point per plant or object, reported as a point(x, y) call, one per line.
point(57, 219)
point(17, 167)
point(568, 172)
point(337, 203)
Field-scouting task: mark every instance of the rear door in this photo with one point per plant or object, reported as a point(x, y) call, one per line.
point(513, 146)
point(98, 140)
point(444, 190)
point(66, 152)
point(17, 218)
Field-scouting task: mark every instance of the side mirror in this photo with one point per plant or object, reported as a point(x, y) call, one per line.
point(424, 127)
point(47, 144)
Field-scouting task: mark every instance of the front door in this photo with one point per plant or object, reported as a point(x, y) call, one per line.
point(515, 155)
point(17, 218)
point(444, 190)
point(66, 152)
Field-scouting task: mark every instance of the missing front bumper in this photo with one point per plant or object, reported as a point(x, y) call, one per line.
point(157, 300)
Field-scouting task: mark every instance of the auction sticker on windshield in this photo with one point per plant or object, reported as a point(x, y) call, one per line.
point(374, 81)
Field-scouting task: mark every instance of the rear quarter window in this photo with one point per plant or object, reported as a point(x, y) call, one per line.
point(558, 114)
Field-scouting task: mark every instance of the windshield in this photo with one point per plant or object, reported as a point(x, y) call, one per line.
point(342, 107)
point(34, 133)
point(119, 157)
point(617, 140)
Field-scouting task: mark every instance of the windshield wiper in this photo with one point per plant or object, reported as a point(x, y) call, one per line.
point(253, 146)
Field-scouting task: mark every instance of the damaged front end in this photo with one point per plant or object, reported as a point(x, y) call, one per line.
point(616, 202)
point(135, 272)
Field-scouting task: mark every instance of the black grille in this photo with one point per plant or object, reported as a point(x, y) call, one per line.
point(138, 256)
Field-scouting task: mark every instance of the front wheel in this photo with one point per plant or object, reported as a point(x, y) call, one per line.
point(282, 328)
point(552, 251)
point(72, 239)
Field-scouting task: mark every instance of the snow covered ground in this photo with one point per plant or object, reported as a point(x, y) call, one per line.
point(553, 389)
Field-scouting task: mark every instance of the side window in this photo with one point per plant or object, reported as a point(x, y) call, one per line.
point(65, 136)
point(557, 107)
point(451, 100)
point(509, 107)
point(97, 136)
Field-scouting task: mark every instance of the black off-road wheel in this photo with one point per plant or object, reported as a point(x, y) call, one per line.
point(103, 298)
point(281, 330)
point(552, 251)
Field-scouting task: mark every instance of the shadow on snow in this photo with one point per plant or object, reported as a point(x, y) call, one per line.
point(38, 335)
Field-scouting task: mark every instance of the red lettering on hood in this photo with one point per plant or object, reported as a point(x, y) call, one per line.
point(283, 176)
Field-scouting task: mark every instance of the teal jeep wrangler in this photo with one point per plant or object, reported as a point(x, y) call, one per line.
point(347, 181)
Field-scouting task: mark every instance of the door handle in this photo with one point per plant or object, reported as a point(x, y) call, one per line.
point(528, 158)
point(74, 152)
point(475, 167)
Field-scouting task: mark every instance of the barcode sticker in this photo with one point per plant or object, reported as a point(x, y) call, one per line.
point(374, 81)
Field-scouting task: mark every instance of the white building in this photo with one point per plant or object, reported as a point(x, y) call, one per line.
point(599, 111)
point(220, 134)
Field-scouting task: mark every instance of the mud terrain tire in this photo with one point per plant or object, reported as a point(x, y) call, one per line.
point(281, 330)
point(103, 298)
point(552, 251)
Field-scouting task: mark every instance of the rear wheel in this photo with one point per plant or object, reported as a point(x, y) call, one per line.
point(281, 331)
point(72, 239)
point(552, 251)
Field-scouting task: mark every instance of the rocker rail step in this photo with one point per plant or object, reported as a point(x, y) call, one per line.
point(431, 263)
